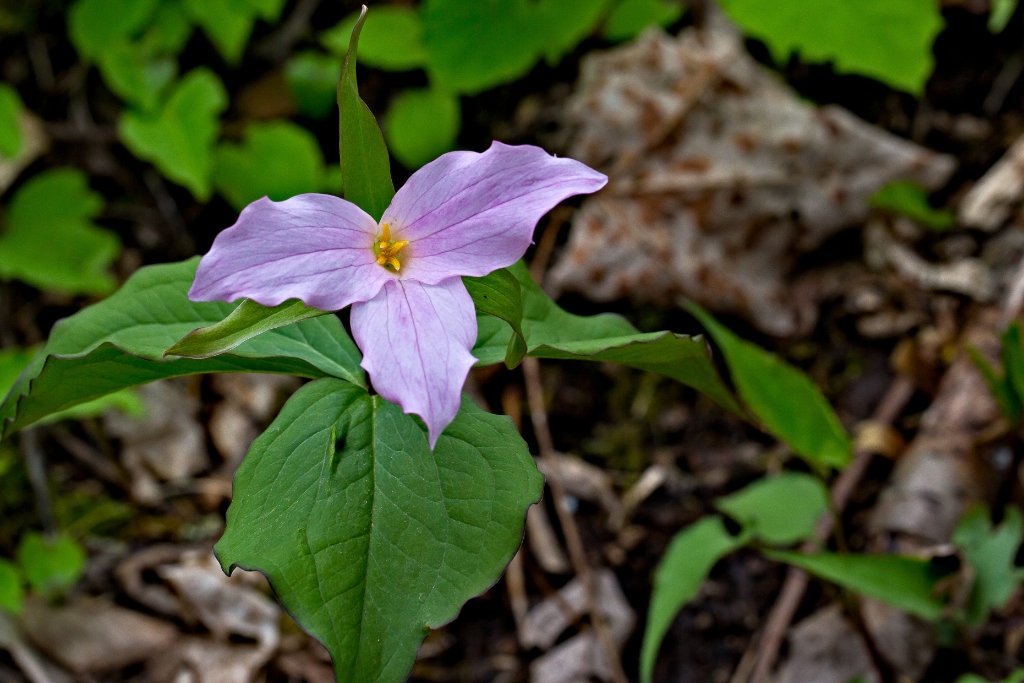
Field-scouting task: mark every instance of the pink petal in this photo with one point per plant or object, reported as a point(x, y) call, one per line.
point(313, 247)
point(415, 340)
point(469, 214)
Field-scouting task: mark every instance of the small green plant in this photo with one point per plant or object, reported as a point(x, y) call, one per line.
point(49, 565)
point(1007, 385)
point(906, 198)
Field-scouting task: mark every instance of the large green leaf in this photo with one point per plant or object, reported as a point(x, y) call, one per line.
point(278, 159)
point(552, 332)
point(783, 398)
point(890, 40)
point(991, 553)
point(781, 510)
point(908, 583)
point(179, 139)
point(50, 241)
point(689, 558)
point(422, 124)
point(369, 538)
point(391, 39)
point(365, 165)
point(120, 342)
point(499, 294)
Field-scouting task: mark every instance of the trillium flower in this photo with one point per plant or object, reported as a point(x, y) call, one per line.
point(465, 213)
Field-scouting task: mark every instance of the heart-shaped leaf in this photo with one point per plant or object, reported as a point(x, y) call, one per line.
point(50, 241)
point(278, 159)
point(179, 138)
point(367, 536)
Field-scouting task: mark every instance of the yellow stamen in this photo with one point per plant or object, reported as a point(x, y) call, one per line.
point(386, 251)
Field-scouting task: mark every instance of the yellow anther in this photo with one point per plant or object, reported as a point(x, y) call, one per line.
point(386, 251)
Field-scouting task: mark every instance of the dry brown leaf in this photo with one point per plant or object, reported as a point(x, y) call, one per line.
point(721, 176)
point(89, 635)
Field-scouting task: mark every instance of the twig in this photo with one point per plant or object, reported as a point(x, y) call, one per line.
point(793, 589)
point(181, 241)
point(573, 540)
point(39, 57)
point(35, 466)
point(515, 581)
point(276, 46)
point(85, 454)
point(546, 243)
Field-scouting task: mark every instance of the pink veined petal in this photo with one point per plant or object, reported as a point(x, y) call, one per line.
point(416, 342)
point(467, 213)
point(312, 247)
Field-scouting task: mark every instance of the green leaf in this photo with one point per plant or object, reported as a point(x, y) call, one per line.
point(1015, 677)
point(631, 17)
point(367, 537)
point(278, 159)
point(51, 242)
point(473, 46)
point(1000, 14)
point(11, 110)
point(391, 39)
point(1012, 352)
point(12, 595)
point(498, 294)
point(12, 362)
point(120, 343)
point(421, 125)
point(780, 510)
point(227, 23)
point(909, 199)
point(687, 562)
point(179, 139)
point(907, 583)
point(783, 398)
point(135, 78)
point(51, 565)
point(567, 23)
point(365, 165)
point(890, 40)
point(126, 401)
point(552, 332)
point(991, 553)
point(242, 324)
point(313, 79)
point(95, 25)
point(169, 31)
point(1004, 393)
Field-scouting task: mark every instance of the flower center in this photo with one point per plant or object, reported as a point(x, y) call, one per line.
point(386, 250)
